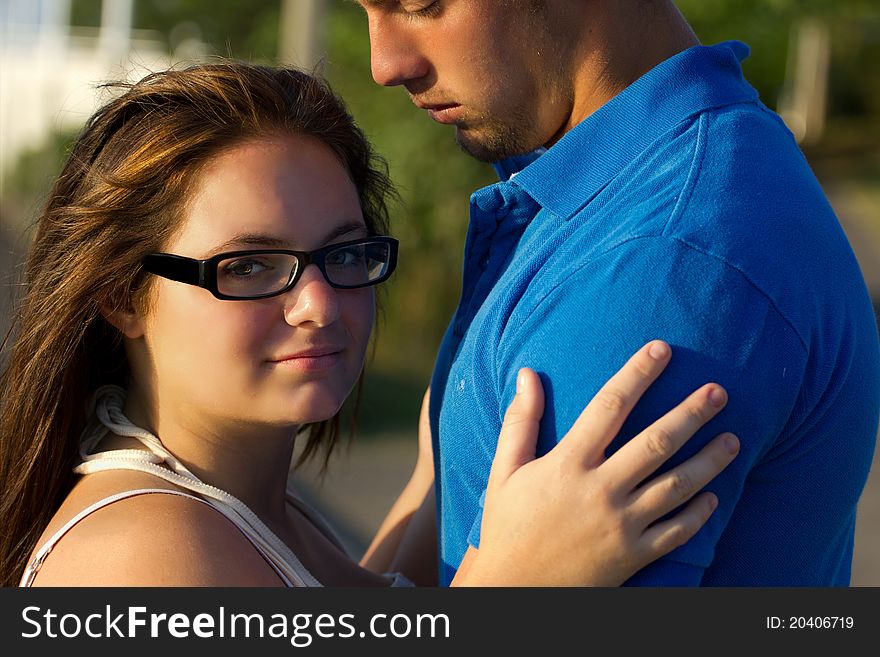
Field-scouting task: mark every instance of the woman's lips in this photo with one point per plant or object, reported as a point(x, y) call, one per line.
point(310, 361)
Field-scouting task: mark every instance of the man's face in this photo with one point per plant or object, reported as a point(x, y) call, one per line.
point(488, 67)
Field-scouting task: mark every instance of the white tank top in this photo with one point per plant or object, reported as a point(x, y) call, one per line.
point(108, 403)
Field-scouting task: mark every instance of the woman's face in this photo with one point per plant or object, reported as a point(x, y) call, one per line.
point(285, 360)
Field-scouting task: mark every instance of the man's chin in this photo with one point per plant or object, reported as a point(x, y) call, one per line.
point(488, 148)
point(475, 150)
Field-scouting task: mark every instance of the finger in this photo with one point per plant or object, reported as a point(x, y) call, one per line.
point(642, 455)
point(672, 489)
point(519, 433)
point(665, 536)
point(600, 421)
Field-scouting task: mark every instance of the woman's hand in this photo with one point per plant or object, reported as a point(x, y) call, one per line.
point(575, 518)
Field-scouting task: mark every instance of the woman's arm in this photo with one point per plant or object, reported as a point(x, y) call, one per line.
point(575, 518)
point(416, 556)
point(571, 517)
point(406, 541)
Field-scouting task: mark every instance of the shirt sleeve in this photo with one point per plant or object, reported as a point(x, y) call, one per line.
point(583, 328)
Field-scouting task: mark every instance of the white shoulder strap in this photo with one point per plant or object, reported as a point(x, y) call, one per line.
point(109, 401)
point(34, 566)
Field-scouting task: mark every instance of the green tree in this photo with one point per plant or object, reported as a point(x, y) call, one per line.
point(244, 30)
point(435, 179)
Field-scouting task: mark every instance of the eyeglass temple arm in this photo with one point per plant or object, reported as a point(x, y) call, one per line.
point(175, 268)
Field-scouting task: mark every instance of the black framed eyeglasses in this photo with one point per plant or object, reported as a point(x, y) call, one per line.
point(262, 273)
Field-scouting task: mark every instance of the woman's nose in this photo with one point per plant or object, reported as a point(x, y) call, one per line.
point(312, 300)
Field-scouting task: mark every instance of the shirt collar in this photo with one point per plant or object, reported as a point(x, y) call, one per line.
point(511, 166)
point(695, 80)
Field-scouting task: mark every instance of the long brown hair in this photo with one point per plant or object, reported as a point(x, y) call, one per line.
point(119, 197)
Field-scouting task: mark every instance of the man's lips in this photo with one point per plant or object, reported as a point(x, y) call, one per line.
point(442, 112)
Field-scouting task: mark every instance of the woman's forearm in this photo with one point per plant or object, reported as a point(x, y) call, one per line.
point(416, 555)
point(382, 553)
point(407, 538)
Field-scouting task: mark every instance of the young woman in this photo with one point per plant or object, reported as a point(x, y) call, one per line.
point(175, 340)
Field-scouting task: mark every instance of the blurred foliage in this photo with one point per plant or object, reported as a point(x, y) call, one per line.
point(85, 13)
point(244, 30)
point(767, 25)
point(31, 179)
point(435, 179)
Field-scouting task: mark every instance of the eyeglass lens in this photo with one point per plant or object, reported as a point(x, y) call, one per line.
point(265, 273)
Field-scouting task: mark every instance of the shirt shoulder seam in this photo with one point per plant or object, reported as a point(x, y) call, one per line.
point(693, 176)
point(691, 247)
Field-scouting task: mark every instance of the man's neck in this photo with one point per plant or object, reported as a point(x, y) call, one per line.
point(622, 42)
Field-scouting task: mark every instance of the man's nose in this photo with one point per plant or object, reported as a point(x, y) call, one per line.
point(394, 57)
point(312, 300)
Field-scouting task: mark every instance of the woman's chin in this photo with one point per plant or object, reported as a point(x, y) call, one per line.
point(316, 406)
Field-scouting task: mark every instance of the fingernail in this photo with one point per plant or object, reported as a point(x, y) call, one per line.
point(713, 502)
point(658, 351)
point(717, 397)
point(520, 382)
point(731, 443)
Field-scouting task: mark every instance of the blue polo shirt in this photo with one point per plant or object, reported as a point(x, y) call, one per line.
point(682, 210)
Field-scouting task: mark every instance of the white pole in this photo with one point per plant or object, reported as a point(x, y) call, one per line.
point(803, 106)
point(115, 35)
point(300, 39)
point(54, 24)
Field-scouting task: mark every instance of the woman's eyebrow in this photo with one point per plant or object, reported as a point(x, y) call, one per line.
point(249, 239)
point(272, 241)
point(347, 229)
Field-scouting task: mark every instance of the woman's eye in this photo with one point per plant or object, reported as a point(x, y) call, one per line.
point(345, 257)
point(339, 258)
point(244, 268)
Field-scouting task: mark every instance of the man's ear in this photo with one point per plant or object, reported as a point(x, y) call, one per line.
point(128, 321)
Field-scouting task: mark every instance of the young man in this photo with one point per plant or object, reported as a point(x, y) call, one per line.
point(645, 193)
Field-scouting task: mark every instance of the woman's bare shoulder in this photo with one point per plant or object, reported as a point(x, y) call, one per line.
point(148, 540)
